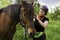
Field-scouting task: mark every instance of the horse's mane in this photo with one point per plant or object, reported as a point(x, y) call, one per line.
point(13, 10)
point(1, 10)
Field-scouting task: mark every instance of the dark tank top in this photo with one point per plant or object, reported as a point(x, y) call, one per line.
point(38, 27)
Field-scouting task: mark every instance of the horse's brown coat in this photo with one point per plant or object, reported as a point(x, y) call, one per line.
point(11, 15)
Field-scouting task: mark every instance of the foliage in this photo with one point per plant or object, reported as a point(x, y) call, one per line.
point(4, 3)
point(19, 35)
point(53, 31)
point(18, 1)
point(36, 8)
point(56, 14)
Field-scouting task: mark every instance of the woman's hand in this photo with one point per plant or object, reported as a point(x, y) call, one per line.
point(43, 24)
point(37, 18)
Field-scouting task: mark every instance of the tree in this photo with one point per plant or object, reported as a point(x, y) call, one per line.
point(36, 6)
point(56, 14)
point(4, 3)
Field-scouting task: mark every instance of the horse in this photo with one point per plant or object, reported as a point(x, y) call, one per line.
point(13, 14)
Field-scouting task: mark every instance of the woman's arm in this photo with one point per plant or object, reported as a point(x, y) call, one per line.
point(43, 24)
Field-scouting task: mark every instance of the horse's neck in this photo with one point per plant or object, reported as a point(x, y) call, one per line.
point(14, 11)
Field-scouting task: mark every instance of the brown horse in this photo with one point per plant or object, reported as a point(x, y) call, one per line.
point(11, 15)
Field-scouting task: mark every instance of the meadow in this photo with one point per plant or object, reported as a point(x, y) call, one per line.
point(52, 31)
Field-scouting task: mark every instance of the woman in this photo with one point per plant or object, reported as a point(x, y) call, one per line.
point(41, 22)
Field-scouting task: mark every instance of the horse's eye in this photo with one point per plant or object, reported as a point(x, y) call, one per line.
point(24, 10)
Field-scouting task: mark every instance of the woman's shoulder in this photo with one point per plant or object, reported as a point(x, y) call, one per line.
point(46, 18)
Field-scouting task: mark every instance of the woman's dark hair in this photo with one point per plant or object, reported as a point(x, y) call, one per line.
point(45, 8)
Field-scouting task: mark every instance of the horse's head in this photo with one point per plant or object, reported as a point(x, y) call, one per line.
point(27, 13)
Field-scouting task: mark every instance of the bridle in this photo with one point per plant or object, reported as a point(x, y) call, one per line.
point(23, 23)
point(21, 18)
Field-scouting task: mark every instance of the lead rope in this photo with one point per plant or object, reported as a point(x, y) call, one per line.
point(26, 33)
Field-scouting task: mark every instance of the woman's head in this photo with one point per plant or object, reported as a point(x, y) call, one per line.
point(43, 10)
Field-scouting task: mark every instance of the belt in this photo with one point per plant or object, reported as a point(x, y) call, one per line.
point(38, 34)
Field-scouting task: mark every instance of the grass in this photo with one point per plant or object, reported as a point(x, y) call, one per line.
point(52, 31)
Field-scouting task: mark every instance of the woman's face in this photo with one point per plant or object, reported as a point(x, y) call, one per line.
point(41, 12)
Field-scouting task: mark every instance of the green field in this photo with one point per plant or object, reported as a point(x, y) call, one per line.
point(52, 31)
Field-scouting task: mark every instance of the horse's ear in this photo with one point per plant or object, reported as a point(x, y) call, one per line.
point(32, 2)
point(24, 3)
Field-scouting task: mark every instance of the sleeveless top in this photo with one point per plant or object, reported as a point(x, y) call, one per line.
point(38, 27)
